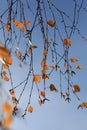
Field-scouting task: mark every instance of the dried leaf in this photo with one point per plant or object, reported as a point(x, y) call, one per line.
point(74, 59)
point(36, 78)
point(84, 104)
point(45, 52)
point(6, 78)
point(76, 88)
point(30, 109)
point(67, 42)
point(7, 121)
point(5, 66)
point(28, 23)
point(15, 100)
point(7, 108)
point(51, 23)
point(19, 53)
point(79, 67)
point(42, 93)
point(53, 88)
point(4, 52)
point(8, 27)
point(8, 60)
point(12, 92)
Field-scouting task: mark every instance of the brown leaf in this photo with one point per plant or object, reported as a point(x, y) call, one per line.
point(53, 88)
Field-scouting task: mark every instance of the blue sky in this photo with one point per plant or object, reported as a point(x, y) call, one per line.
point(56, 114)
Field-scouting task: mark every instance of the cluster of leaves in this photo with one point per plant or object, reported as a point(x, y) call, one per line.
point(18, 31)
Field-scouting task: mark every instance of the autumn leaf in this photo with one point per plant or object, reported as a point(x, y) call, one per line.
point(76, 88)
point(36, 78)
point(42, 93)
point(30, 109)
point(19, 53)
point(79, 67)
point(53, 88)
point(14, 99)
point(84, 104)
point(74, 59)
point(12, 92)
point(28, 23)
point(8, 60)
point(4, 52)
point(45, 52)
point(8, 27)
point(7, 121)
point(7, 108)
point(51, 23)
point(67, 42)
point(6, 78)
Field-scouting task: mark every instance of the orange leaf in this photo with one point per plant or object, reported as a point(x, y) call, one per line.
point(8, 60)
point(12, 92)
point(30, 109)
point(7, 108)
point(4, 52)
point(76, 88)
point(67, 42)
point(15, 100)
point(42, 93)
point(36, 78)
point(79, 67)
point(74, 59)
point(19, 53)
point(28, 23)
point(8, 27)
point(43, 63)
point(51, 23)
point(53, 88)
point(6, 78)
point(7, 121)
point(84, 104)
point(5, 66)
point(45, 52)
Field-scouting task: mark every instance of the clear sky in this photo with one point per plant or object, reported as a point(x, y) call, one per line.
point(57, 114)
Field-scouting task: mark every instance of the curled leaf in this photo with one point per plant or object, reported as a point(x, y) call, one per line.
point(67, 42)
point(42, 93)
point(84, 104)
point(79, 67)
point(74, 59)
point(51, 23)
point(76, 88)
point(53, 88)
point(30, 109)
